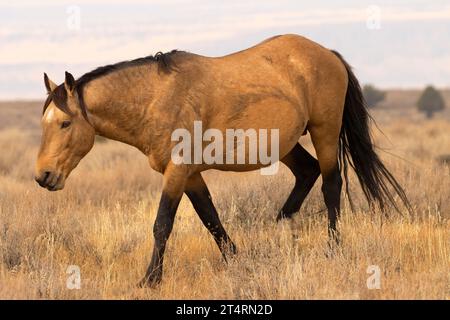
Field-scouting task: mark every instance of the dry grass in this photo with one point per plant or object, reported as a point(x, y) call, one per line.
point(102, 222)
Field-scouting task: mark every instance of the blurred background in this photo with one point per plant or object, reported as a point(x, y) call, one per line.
point(392, 44)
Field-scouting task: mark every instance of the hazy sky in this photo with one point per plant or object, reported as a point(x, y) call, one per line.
point(389, 43)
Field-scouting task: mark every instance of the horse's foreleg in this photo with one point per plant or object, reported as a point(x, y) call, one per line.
point(173, 187)
point(306, 171)
point(198, 193)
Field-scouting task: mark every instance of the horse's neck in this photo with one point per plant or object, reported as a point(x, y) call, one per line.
point(117, 106)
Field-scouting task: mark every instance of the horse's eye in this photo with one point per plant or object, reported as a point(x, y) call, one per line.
point(65, 124)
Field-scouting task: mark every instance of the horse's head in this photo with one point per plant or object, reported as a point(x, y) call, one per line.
point(67, 136)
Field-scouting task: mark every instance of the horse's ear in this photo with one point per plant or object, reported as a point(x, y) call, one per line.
point(69, 84)
point(49, 84)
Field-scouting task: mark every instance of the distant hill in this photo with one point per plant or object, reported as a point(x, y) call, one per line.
point(407, 98)
point(20, 114)
point(398, 102)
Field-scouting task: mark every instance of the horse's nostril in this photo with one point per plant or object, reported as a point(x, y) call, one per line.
point(42, 179)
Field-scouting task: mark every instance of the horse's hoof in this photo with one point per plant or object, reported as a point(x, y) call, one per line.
point(232, 250)
point(282, 217)
point(333, 247)
point(229, 250)
point(147, 282)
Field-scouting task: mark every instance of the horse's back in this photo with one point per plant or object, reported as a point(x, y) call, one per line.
point(300, 67)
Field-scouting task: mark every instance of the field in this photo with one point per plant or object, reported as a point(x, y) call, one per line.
point(102, 222)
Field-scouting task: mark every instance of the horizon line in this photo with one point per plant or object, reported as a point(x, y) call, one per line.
point(439, 88)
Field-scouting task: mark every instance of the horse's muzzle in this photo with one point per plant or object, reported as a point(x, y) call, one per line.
point(49, 180)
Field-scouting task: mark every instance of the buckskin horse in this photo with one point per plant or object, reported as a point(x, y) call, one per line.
point(286, 82)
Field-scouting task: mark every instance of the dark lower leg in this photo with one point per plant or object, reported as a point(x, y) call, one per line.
point(306, 170)
point(198, 193)
point(331, 188)
point(161, 231)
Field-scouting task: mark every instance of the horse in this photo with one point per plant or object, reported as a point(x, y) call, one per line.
point(286, 82)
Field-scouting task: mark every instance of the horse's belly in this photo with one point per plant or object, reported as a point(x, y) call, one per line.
point(260, 134)
point(286, 118)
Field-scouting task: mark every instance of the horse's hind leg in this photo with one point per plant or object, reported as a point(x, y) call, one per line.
point(306, 171)
point(325, 139)
point(198, 193)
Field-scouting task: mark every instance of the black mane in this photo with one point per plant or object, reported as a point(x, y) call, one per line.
point(164, 61)
point(59, 95)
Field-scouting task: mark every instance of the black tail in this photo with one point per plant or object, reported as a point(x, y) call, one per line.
point(357, 150)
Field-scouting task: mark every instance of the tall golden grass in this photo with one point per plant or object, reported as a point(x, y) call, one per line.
point(102, 222)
